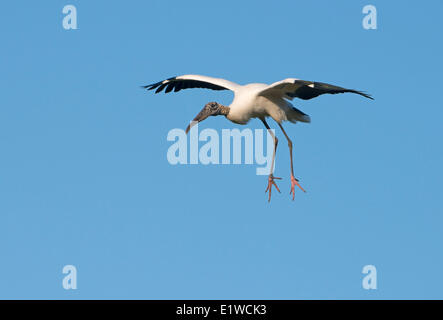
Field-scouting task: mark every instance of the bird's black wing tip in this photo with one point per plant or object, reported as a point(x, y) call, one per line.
point(149, 86)
point(367, 95)
point(362, 93)
point(157, 85)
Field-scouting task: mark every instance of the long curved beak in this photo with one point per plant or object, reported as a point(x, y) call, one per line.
point(202, 115)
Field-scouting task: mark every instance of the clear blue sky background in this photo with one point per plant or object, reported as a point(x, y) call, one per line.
point(84, 178)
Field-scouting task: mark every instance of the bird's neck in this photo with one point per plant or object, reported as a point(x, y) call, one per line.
point(224, 110)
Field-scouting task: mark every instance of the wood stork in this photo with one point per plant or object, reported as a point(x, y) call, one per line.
point(256, 100)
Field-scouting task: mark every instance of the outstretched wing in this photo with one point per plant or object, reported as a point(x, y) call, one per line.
point(295, 88)
point(192, 81)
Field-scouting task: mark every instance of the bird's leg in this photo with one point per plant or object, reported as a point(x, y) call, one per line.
point(294, 181)
point(271, 177)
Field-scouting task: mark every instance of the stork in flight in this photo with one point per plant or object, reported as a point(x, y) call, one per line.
point(256, 100)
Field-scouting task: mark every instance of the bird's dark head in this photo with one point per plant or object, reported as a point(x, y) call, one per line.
point(210, 109)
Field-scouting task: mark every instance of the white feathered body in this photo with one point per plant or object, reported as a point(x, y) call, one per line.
point(249, 102)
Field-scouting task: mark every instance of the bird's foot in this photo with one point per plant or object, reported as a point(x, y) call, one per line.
point(270, 183)
point(294, 182)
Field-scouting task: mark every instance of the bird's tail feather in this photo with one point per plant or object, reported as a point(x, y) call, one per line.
point(297, 115)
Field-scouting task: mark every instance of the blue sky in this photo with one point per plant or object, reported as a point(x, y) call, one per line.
point(84, 178)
